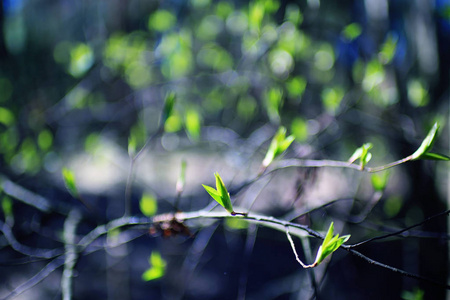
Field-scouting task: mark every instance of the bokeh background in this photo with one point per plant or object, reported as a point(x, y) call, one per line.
point(82, 86)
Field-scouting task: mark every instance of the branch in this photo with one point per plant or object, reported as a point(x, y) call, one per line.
point(312, 163)
point(70, 226)
point(266, 221)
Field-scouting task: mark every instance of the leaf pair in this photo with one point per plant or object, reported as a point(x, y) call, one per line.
point(423, 152)
point(157, 267)
point(220, 194)
point(330, 244)
point(363, 154)
point(278, 145)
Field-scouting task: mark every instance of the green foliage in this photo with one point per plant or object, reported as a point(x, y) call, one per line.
point(148, 204)
point(352, 31)
point(220, 194)
point(274, 100)
point(81, 59)
point(161, 20)
point(392, 205)
point(236, 223)
point(363, 154)
point(70, 182)
point(278, 145)
point(6, 116)
point(168, 110)
point(416, 294)
point(7, 207)
point(330, 244)
point(299, 129)
point(331, 99)
point(157, 267)
point(380, 180)
point(417, 93)
point(423, 152)
point(388, 49)
point(193, 123)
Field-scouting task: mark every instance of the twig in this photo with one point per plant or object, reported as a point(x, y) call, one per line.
point(295, 251)
point(271, 222)
point(399, 231)
point(25, 250)
point(312, 163)
point(41, 275)
point(70, 226)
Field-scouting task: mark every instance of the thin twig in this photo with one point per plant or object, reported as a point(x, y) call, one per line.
point(399, 231)
point(71, 256)
point(295, 251)
point(41, 275)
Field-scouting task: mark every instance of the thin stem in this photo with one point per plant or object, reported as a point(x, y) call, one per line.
point(266, 221)
point(397, 232)
point(295, 251)
point(312, 163)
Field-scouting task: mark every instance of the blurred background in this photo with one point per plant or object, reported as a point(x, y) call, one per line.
point(83, 84)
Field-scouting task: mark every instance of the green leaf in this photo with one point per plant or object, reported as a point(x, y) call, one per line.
point(278, 145)
point(220, 194)
point(435, 156)
point(330, 244)
point(7, 207)
point(193, 124)
point(69, 181)
point(169, 102)
point(157, 267)
point(352, 31)
point(363, 154)
point(148, 204)
point(427, 143)
point(379, 180)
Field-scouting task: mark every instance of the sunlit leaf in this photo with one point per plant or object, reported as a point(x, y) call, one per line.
point(148, 204)
point(167, 111)
point(236, 223)
point(81, 59)
point(278, 145)
point(363, 154)
point(7, 206)
point(45, 140)
point(70, 182)
point(427, 143)
point(157, 267)
point(330, 244)
point(352, 31)
point(388, 49)
point(161, 20)
point(379, 180)
point(220, 194)
point(6, 116)
point(193, 123)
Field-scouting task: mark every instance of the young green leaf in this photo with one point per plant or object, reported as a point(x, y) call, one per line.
point(157, 267)
point(69, 180)
point(169, 102)
point(380, 180)
point(363, 154)
point(148, 204)
point(423, 151)
point(330, 244)
point(220, 194)
point(278, 145)
point(427, 143)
